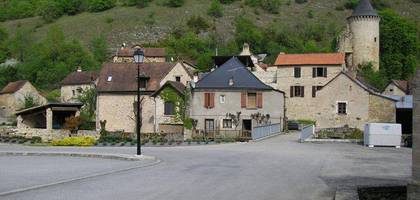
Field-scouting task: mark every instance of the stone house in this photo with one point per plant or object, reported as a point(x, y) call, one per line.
point(12, 98)
point(229, 91)
point(125, 54)
point(76, 82)
point(347, 101)
point(397, 87)
point(116, 93)
point(301, 75)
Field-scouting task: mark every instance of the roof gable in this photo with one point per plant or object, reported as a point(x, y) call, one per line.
point(233, 70)
point(364, 8)
point(77, 78)
point(13, 87)
point(123, 76)
point(401, 84)
point(310, 59)
point(179, 87)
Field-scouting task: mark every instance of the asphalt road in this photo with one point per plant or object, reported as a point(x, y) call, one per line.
point(278, 168)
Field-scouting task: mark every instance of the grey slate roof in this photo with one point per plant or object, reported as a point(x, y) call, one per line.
point(233, 68)
point(364, 8)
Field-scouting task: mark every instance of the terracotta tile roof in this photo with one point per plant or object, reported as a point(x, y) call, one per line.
point(148, 52)
point(403, 85)
point(310, 59)
point(124, 76)
point(13, 87)
point(76, 78)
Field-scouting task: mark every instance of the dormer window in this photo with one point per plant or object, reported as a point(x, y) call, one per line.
point(231, 82)
point(177, 78)
point(109, 79)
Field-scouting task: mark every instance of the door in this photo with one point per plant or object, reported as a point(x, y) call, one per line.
point(246, 128)
point(209, 127)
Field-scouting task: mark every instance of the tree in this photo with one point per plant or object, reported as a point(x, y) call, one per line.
point(399, 45)
point(197, 24)
point(215, 9)
point(29, 101)
point(72, 7)
point(377, 79)
point(247, 32)
point(4, 50)
point(138, 3)
point(100, 5)
point(50, 10)
point(99, 48)
point(88, 98)
point(271, 6)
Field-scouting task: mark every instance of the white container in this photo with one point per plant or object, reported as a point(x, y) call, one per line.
point(382, 134)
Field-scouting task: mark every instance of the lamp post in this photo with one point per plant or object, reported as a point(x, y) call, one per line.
point(138, 59)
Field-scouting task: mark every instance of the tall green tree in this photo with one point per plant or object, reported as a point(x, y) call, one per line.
point(99, 48)
point(215, 9)
point(399, 45)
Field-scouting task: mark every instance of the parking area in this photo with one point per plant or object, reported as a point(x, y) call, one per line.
point(277, 168)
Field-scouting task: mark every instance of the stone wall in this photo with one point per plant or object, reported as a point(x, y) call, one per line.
point(414, 186)
point(46, 135)
point(67, 91)
point(302, 107)
point(381, 109)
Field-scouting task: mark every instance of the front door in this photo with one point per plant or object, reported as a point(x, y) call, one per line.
point(246, 127)
point(209, 127)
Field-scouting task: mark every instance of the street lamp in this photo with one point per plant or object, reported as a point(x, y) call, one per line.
point(138, 59)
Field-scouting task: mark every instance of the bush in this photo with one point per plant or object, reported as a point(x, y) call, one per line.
point(215, 9)
point(100, 5)
point(197, 24)
point(351, 4)
point(271, 6)
point(51, 10)
point(137, 3)
point(306, 122)
point(175, 3)
point(36, 139)
point(75, 141)
point(301, 1)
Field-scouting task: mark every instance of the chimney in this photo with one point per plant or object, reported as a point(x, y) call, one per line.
point(195, 79)
point(79, 69)
point(245, 50)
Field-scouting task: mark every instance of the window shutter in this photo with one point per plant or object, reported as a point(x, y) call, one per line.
point(314, 72)
point(292, 94)
point(243, 100)
point(259, 100)
point(325, 72)
point(302, 91)
point(211, 100)
point(206, 100)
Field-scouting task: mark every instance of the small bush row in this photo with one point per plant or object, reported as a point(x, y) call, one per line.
point(20, 139)
point(75, 141)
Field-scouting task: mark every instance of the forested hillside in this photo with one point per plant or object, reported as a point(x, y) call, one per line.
point(51, 37)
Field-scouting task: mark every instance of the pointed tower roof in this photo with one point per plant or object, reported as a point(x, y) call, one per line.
point(364, 8)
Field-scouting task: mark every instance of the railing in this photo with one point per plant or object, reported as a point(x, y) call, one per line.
point(265, 131)
point(307, 133)
point(237, 134)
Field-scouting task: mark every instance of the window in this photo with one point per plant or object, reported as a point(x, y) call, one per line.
point(297, 91)
point(143, 83)
point(73, 92)
point(297, 72)
point(209, 100)
point(169, 108)
point(375, 39)
point(177, 78)
point(342, 108)
point(252, 100)
point(222, 98)
point(315, 89)
point(319, 72)
point(109, 79)
point(227, 123)
point(79, 90)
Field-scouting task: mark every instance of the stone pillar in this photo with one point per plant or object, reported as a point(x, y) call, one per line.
point(413, 188)
point(49, 119)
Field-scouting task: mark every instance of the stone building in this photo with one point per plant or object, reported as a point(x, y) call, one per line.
point(301, 75)
point(231, 98)
point(12, 98)
point(348, 101)
point(413, 188)
point(360, 41)
point(77, 82)
point(117, 87)
point(397, 87)
point(125, 54)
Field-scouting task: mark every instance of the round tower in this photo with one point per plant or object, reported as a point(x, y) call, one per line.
point(364, 27)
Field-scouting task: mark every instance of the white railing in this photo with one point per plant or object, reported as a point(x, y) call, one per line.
point(265, 131)
point(307, 133)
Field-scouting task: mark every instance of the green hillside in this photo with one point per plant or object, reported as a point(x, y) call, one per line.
point(153, 23)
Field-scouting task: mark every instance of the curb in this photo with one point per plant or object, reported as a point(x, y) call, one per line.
point(71, 180)
point(81, 154)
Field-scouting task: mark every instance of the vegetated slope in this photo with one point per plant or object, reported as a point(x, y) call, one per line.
point(153, 23)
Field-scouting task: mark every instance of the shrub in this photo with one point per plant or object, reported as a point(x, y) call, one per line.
point(351, 4)
point(253, 3)
point(175, 3)
point(356, 134)
point(51, 10)
point(301, 1)
point(100, 5)
point(271, 6)
point(137, 3)
point(197, 24)
point(306, 122)
point(36, 139)
point(72, 7)
point(72, 123)
point(215, 9)
point(75, 141)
